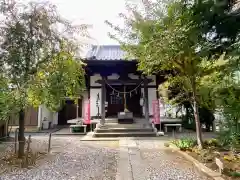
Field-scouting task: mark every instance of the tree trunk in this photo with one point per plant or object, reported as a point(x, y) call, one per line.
point(198, 125)
point(8, 130)
point(196, 117)
point(21, 137)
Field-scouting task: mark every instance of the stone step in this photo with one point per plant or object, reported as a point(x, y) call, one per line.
point(107, 120)
point(126, 126)
point(111, 120)
point(125, 134)
point(117, 129)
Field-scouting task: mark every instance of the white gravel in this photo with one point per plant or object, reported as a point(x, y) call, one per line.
point(149, 162)
point(72, 159)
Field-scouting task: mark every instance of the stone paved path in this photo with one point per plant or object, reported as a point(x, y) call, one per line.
point(150, 160)
point(124, 160)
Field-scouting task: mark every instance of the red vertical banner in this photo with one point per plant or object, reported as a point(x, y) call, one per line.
point(156, 112)
point(87, 119)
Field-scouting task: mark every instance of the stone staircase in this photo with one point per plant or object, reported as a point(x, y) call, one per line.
point(137, 129)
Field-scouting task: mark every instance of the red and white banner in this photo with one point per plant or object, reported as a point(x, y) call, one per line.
point(87, 119)
point(156, 112)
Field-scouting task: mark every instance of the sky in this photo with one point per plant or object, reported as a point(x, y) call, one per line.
point(93, 12)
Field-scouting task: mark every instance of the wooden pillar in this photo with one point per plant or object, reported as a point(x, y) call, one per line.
point(125, 99)
point(88, 84)
point(146, 104)
point(103, 99)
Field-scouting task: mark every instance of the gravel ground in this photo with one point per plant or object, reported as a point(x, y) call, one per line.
point(148, 162)
point(72, 159)
point(143, 160)
point(166, 165)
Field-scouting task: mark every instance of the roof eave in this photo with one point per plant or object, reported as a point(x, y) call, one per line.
point(109, 60)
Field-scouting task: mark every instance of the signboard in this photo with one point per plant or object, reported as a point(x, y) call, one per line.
point(87, 119)
point(156, 112)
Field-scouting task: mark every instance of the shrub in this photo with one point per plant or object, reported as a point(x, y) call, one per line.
point(212, 142)
point(185, 143)
point(230, 138)
point(234, 174)
point(229, 158)
point(229, 125)
point(207, 155)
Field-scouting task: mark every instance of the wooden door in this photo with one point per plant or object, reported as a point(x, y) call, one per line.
point(31, 116)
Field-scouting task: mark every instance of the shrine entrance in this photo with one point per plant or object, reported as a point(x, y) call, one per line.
point(125, 99)
point(115, 100)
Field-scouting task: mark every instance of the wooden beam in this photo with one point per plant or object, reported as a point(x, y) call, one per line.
point(123, 82)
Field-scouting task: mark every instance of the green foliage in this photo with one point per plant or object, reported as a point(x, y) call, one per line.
point(230, 138)
point(196, 45)
point(62, 77)
point(170, 42)
point(228, 93)
point(185, 143)
point(205, 115)
point(234, 174)
point(185, 40)
point(38, 54)
point(8, 101)
point(212, 143)
point(39, 60)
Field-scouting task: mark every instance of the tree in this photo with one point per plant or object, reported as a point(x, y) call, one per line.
point(171, 38)
point(226, 91)
point(39, 57)
point(7, 106)
point(176, 95)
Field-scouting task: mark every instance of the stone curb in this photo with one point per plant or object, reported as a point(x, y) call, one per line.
point(42, 132)
point(99, 139)
point(201, 167)
point(68, 134)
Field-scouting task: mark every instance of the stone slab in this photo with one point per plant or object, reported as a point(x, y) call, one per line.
point(124, 170)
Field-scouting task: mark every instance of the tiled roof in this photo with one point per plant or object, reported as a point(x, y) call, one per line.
point(106, 52)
